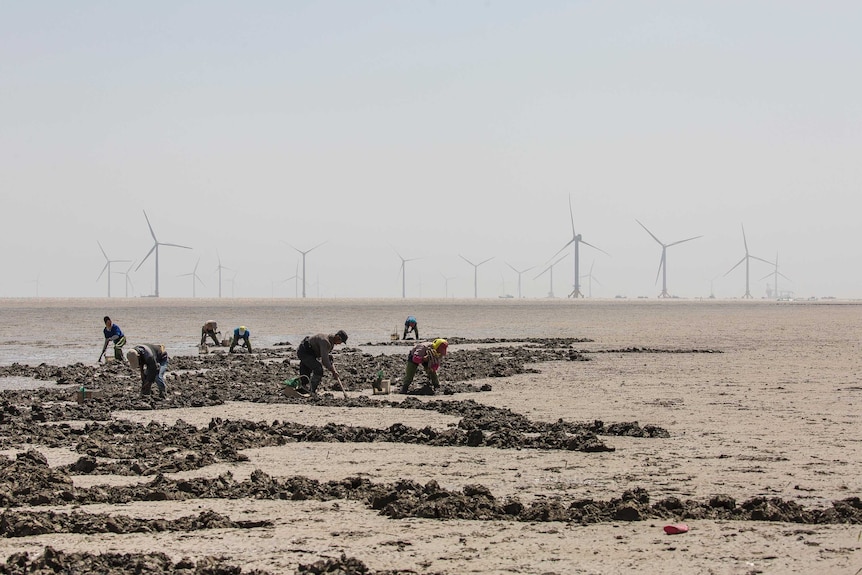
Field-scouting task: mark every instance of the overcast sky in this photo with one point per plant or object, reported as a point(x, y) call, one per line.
point(430, 130)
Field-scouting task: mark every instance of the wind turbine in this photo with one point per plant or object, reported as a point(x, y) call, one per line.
point(404, 273)
point(295, 278)
point(303, 262)
point(746, 258)
point(591, 278)
point(775, 273)
point(446, 283)
point(519, 272)
point(195, 278)
point(232, 282)
point(108, 262)
point(577, 240)
point(475, 273)
point(551, 269)
point(128, 279)
point(155, 248)
point(662, 264)
point(219, 268)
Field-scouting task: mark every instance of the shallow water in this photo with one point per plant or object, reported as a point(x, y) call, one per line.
point(64, 331)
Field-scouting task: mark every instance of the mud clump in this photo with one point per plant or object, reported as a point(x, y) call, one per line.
point(53, 561)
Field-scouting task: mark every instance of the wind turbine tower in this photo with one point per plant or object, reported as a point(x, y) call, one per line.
point(577, 240)
point(775, 273)
point(519, 272)
point(303, 253)
point(195, 278)
point(475, 273)
point(662, 264)
point(446, 284)
point(128, 279)
point(155, 248)
point(219, 268)
point(551, 269)
point(746, 258)
point(108, 262)
point(404, 273)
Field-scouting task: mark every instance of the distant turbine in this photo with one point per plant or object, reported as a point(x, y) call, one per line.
point(303, 262)
point(519, 272)
point(577, 240)
point(662, 264)
point(195, 278)
point(475, 273)
point(551, 269)
point(219, 268)
point(232, 282)
point(775, 273)
point(155, 248)
point(446, 284)
point(590, 277)
point(404, 273)
point(746, 258)
point(295, 278)
point(108, 263)
point(128, 279)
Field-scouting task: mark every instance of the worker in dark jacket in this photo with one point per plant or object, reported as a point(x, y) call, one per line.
point(210, 329)
point(152, 361)
point(315, 353)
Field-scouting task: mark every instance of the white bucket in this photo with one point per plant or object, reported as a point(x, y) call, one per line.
point(384, 388)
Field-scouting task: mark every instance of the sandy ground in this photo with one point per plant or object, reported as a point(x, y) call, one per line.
point(774, 418)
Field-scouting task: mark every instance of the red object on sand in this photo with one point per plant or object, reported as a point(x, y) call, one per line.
point(674, 529)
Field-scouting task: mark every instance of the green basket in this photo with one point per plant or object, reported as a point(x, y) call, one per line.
point(294, 382)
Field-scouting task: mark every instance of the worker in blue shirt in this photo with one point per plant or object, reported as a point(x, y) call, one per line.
point(240, 333)
point(411, 325)
point(113, 334)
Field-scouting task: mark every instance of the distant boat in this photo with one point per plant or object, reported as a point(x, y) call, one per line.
point(507, 296)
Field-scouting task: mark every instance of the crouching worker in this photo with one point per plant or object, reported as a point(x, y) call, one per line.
point(210, 329)
point(240, 333)
point(314, 354)
point(113, 334)
point(411, 325)
point(428, 355)
point(152, 361)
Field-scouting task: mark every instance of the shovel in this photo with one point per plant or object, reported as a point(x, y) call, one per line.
point(341, 385)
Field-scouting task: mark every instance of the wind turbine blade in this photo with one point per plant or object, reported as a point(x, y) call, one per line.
point(785, 277)
point(317, 246)
point(466, 260)
point(682, 241)
point(572, 217)
point(762, 260)
point(485, 261)
point(152, 233)
point(103, 249)
point(660, 264)
point(152, 249)
point(737, 265)
point(570, 242)
point(744, 241)
point(175, 246)
point(103, 270)
point(595, 248)
point(647, 231)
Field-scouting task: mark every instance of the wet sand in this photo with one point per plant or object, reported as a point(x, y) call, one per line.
point(760, 402)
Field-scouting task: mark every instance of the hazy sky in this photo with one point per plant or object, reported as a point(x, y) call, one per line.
point(432, 129)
